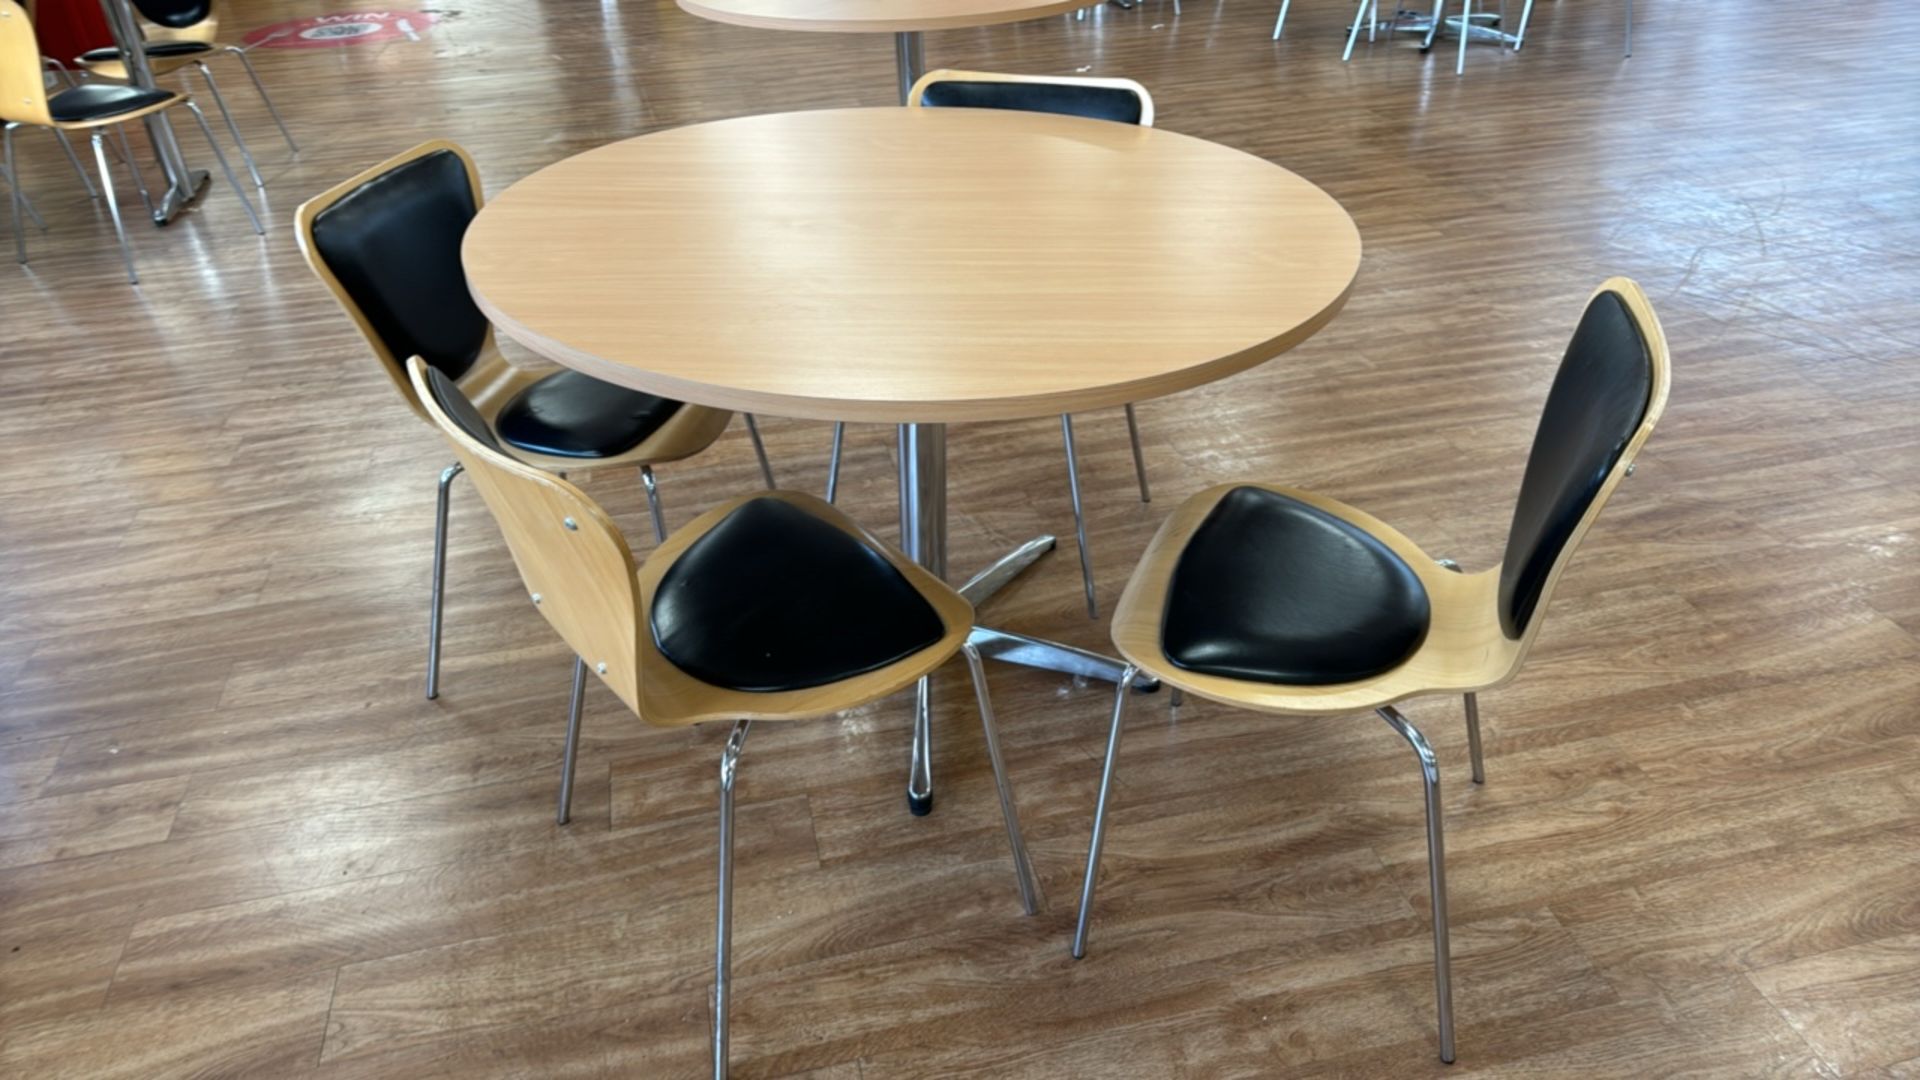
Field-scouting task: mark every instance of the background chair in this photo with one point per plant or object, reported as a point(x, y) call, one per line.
point(179, 33)
point(1285, 602)
point(770, 607)
point(91, 108)
point(386, 243)
point(1120, 100)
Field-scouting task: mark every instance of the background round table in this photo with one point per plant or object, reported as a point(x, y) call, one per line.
point(904, 19)
point(914, 266)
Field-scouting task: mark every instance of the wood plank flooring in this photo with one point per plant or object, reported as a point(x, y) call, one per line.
point(235, 841)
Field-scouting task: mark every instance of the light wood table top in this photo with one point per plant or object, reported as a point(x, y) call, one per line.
point(874, 16)
point(912, 265)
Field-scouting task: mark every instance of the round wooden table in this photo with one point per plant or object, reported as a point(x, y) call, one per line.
point(904, 19)
point(916, 267)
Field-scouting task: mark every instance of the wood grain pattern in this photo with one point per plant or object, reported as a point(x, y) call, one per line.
point(911, 264)
point(1695, 851)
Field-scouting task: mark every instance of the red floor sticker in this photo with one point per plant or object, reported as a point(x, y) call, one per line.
point(345, 28)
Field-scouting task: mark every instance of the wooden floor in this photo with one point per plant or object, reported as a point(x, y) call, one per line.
point(236, 841)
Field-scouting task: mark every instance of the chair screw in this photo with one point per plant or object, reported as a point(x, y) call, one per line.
point(536, 599)
point(601, 667)
point(572, 525)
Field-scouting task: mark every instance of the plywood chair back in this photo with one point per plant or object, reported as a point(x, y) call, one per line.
point(1610, 391)
point(23, 90)
point(178, 20)
point(386, 244)
point(573, 559)
point(1120, 100)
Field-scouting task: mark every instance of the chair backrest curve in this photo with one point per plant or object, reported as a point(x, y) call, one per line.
point(386, 243)
point(573, 559)
point(1121, 100)
point(1610, 390)
point(23, 90)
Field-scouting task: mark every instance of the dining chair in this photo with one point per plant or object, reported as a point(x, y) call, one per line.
point(1282, 601)
point(91, 108)
point(770, 607)
point(180, 33)
point(1120, 100)
point(386, 243)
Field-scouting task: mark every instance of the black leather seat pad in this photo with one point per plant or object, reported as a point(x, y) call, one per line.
point(1092, 102)
point(1272, 590)
point(773, 599)
point(91, 101)
point(573, 415)
point(165, 50)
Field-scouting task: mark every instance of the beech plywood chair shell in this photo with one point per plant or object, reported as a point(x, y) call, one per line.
point(1465, 649)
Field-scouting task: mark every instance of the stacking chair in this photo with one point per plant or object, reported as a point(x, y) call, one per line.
point(1285, 602)
point(769, 607)
point(386, 243)
point(91, 108)
point(181, 33)
point(1120, 100)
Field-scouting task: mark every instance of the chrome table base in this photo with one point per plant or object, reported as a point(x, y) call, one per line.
point(184, 184)
point(923, 536)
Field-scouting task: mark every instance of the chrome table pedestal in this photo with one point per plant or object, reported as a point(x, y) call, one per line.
point(923, 536)
point(184, 184)
point(911, 60)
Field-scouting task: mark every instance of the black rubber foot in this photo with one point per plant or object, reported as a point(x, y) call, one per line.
point(921, 805)
point(1145, 686)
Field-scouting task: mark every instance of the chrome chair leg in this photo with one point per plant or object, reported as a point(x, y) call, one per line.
point(1434, 24)
point(435, 602)
point(14, 196)
point(565, 813)
point(113, 205)
point(232, 181)
point(723, 927)
point(1526, 13)
point(1282, 20)
point(265, 98)
point(1473, 738)
point(1466, 34)
point(1100, 812)
point(12, 186)
point(1139, 459)
point(1079, 515)
point(760, 451)
point(66, 146)
point(1022, 866)
point(246, 156)
point(133, 167)
point(1353, 33)
point(1436, 876)
point(833, 462)
point(653, 503)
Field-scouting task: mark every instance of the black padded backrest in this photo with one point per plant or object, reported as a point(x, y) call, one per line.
point(454, 402)
point(1598, 400)
point(394, 245)
point(174, 14)
point(1093, 102)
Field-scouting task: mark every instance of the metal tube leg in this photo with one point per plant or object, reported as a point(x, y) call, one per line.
point(833, 462)
point(1100, 813)
point(1473, 738)
point(14, 186)
point(232, 181)
point(233, 129)
point(66, 145)
point(1022, 867)
point(1433, 25)
point(1629, 27)
point(1280, 22)
point(565, 813)
point(113, 205)
point(133, 166)
point(910, 59)
point(435, 600)
point(265, 98)
point(1526, 13)
point(923, 536)
point(1139, 459)
point(1353, 33)
point(1373, 19)
point(13, 197)
point(1436, 875)
point(1079, 516)
point(723, 923)
point(1466, 33)
point(653, 503)
point(760, 451)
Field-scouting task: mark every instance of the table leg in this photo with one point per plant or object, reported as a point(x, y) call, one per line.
point(183, 184)
point(911, 60)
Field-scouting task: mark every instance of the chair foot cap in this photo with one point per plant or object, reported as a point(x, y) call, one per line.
point(920, 805)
